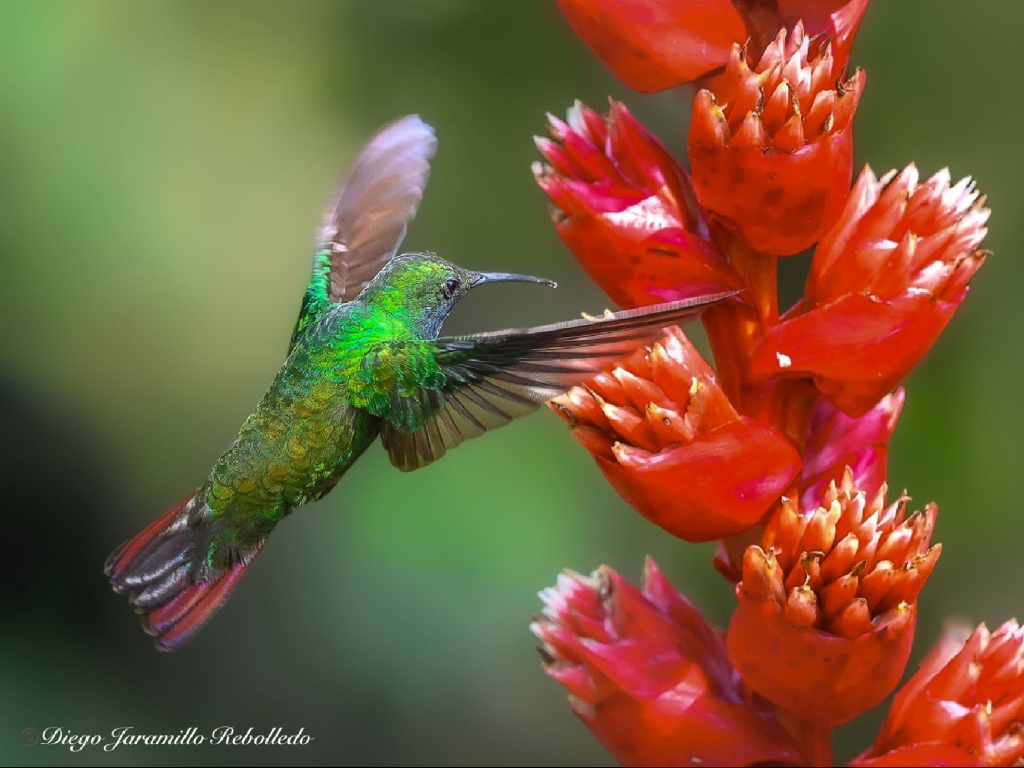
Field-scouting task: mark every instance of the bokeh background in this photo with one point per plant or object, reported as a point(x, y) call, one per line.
point(163, 169)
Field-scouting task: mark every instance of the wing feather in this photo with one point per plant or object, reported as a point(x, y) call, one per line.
point(493, 378)
point(366, 221)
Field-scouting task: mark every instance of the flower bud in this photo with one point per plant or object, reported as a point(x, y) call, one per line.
point(884, 283)
point(965, 705)
point(772, 148)
point(669, 441)
point(651, 678)
point(627, 211)
point(828, 602)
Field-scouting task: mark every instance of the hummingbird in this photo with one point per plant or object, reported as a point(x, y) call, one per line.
point(365, 361)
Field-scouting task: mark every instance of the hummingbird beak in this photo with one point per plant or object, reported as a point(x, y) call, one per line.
point(480, 278)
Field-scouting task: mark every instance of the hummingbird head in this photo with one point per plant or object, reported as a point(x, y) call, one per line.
point(425, 288)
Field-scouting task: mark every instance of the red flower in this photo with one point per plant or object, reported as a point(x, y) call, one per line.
point(836, 441)
point(782, 453)
point(883, 284)
point(772, 148)
point(669, 441)
point(652, 45)
point(828, 602)
point(650, 678)
point(965, 705)
point(627, 210)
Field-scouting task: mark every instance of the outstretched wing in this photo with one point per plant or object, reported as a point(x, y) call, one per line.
point(489, 379)
point(366, 221)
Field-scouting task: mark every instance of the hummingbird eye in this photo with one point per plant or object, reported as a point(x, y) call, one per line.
point(450, 287)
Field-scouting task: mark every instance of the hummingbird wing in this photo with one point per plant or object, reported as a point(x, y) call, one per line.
point(489, 379)
point(366, 221)
point(374, 203)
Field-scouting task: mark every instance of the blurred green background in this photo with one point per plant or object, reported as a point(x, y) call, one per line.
point(164, 167)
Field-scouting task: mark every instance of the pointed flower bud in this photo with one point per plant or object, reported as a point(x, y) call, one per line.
point(965, 705)
point(828, 602)
point(627, 211)
point(836, 441)
point(835, 19)
point(652, 45)
point(890, 274)
point(668, 440)
point(650, 678)
point(772, 148)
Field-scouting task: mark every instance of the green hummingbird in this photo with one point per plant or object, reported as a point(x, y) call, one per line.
point(365, 360)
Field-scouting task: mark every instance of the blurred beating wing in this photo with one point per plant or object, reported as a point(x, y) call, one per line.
point(366, 221)
point(493, 378)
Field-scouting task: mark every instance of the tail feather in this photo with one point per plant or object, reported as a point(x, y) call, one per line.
point(121, 557)
point(161, 570)
point(179, 619)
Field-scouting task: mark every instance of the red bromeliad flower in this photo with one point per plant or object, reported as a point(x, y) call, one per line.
point(652, 45)
point(828, 602)
point(782, 453)
point(669, 441)
point(628, 211)
point(650, 678)
point(965, 706)
point(884, 283)
point(772, 147)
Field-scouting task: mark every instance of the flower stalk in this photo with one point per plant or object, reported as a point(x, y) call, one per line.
point(780, 451)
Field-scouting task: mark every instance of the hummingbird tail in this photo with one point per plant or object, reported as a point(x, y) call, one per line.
point(161, 572)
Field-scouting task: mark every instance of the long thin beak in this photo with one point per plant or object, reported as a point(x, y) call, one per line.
point(507, 277)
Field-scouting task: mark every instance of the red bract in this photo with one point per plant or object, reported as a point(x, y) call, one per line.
point(836, 445)
point(884, 283)
point(965, 706)
point(828, 602)
point(672, 445)
point(650, 678)
point(772, 148)
point(836, 441)
point(627, 210)
point(652, 45)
